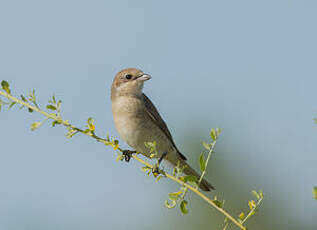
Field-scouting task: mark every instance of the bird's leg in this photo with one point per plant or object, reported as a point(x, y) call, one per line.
point(127, 154)
point(155, 169)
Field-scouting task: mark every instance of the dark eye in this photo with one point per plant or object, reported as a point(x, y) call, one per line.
point(128, 76)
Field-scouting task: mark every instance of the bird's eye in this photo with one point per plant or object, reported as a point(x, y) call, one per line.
point(128, 76)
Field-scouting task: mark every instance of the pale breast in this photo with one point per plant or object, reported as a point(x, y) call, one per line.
point(135, 127)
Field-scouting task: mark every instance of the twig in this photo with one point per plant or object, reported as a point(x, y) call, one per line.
point(108, 142)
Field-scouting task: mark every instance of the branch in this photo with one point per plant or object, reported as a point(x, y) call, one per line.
point(72, 130)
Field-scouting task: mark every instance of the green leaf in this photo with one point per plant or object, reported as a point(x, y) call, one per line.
point(255, 194)
point(56, 123)
point(150, 144)
point(189, 178)
point(241, 216)
point(35, 125)
point(51, 107)
point(315, 192)
point(90, 120)
point(120, 157)
point(252, 204)
point(218, 203)
point(145, 169)
point(71, 132)
point(213, 134)
point(23, 98)
point(5, 86)
point(171, 204)
point(183, 207)
point(207, 146)
point(58, 106)
point(174, 195)
point(30, 110)
point(153, 155)
point(192, 180)
point(12, 104)
point(158, 178)
point(86, 131)
point(202, 162)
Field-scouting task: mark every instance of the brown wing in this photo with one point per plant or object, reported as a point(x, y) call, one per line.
point(157, 119)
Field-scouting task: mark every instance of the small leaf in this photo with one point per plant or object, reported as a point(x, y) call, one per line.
point(207, 146)
point(120, 157)
point(71, 133)
point(315, 192)
point(241, 216)
point(151, 146)
point(183, 207)
point(255, 194)
point(23, 98)
point(56, 123)
point(90, 120)
point(252, 213)
point(252, 204)
point(174, 195)
point(152, 155)
point(145, 169)
point(202, 162)
point(115, 144)
point(91, 125)
point(218, 203)
point(12, 104)
point(170, 205)
point(218, 131)
point(213, 134)
point(35, 125)
point(5, 86)
point(30, 110)
point(51, 107)
point(86, 131)
point(158, 178)
point(192, 180)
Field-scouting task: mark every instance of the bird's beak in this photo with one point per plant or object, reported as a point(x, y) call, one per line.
point(144, 77)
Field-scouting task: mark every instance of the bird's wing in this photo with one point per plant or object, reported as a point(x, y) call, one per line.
point(157, 119)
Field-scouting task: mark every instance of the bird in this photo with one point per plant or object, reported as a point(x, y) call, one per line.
point(138, 121)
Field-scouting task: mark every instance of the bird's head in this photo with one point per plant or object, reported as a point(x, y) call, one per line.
point(129, 82)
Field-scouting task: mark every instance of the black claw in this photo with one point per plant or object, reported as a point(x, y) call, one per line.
point(127, 154)
point(156, 170)
point(162, 157)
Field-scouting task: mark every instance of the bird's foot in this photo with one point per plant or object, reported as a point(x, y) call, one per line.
point(127, 154)
point(162, 157)
point(156, 170)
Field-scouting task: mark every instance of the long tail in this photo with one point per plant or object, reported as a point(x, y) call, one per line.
point(204, 185)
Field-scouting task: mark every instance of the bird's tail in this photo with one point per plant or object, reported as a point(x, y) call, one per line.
point(204, 184)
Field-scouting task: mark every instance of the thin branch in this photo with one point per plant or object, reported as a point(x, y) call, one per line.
point(252, 211)
point(108, 142)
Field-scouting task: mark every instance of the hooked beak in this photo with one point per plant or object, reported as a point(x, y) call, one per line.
point(144, 77)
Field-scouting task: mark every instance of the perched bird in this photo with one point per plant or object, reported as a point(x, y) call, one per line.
point(138, 121)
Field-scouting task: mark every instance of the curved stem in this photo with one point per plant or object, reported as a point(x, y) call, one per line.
point(107, 142)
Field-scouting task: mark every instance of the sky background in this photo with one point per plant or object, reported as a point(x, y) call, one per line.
point(248, 67)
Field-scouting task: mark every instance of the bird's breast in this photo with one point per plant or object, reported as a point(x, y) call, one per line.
point(128, 116)
point(136, 127)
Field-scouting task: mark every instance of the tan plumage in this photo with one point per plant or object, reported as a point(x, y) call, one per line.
point(138, 121)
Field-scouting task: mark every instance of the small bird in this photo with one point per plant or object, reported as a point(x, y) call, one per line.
point(138, 121)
